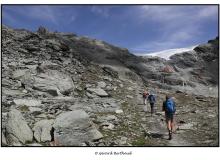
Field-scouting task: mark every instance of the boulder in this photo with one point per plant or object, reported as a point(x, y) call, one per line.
point(118, 111)
point(107, 118)
point(42, 130)
point(19, 73)
point(122, 141)
point(186, 126)
point(6, 91)
point(17, 127)
point(96, 105)
point(12, 140)
point(91, 95)
point(121, 85)
point(107, 126)
point(101, 84)
point(4, 142)
point(54, 83)
point(129, 96)
point(98, 91)
point(34, 110)
point(27, 102)
point(46, 65)
point(107, 78)
point(74, 128)
point(130, 89)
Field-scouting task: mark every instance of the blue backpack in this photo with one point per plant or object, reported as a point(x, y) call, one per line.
point(170, 106)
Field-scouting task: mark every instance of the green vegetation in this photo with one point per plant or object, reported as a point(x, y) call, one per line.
point(140, 141)
point(24, 108)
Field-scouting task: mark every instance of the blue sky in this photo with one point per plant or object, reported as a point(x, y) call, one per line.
point(140, 28)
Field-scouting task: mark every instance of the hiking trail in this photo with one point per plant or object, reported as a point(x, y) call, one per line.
point(155, 126)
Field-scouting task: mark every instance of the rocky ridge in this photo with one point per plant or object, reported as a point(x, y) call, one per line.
point(85, 92)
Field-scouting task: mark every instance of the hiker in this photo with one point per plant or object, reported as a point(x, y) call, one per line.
point(145, 94)
point(152, 100)
point(170, 108)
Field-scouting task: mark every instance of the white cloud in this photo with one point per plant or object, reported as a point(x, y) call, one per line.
point(170, 41)
point(160, 13)
point(172, 13)
point(52, 14)
point(153, 45)
point(176, 24)
point(43, 12)
point(208, 12)
point(183, 34)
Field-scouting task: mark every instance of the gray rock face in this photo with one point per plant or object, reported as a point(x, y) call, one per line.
point(186, 126)
point(19, 73)
point(118, 111)
point(97, 105)
point(74, 128)
point(98, 91)
point(27, 102)
point(107, 125)
point(101, 84)
point(129, 96)
point(11, 92)
point(17, 127)
point(107, 118)
point(42, 130)
point(53, 82)
point(34, 110)
point(4, 142)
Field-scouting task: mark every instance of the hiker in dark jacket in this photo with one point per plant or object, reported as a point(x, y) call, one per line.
point(152, 100)
point(170, 108)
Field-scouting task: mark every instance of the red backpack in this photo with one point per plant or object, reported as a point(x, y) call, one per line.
point(145, 94)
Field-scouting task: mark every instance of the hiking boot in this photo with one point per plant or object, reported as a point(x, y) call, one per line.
point(170, 135)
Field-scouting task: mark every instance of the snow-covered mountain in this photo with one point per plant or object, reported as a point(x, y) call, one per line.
point(166, 54)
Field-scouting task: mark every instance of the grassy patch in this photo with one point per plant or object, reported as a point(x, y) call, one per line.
point(140, 141)
point(124, 105)
point(81, 91)
point(24, 108)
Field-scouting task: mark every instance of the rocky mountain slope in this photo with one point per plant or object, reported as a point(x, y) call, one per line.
point(194, 72)
point(79, 91)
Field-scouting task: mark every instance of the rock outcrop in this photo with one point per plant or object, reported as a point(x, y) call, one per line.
point(17, 129)
point(75, 129)
point(42, 130)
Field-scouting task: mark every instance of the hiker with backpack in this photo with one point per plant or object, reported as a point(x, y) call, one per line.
point(152, 100)
point(170, 108)
point(145, 95)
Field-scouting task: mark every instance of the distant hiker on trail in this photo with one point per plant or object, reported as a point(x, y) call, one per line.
point(170, 108)
point(145, 95)
point(152, 100)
